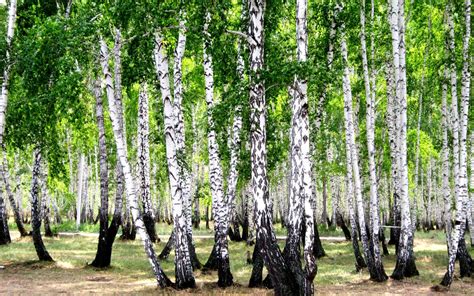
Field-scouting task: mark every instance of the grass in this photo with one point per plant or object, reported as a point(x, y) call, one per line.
point(131, 273)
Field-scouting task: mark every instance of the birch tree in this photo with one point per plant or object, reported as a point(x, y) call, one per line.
point(40, 248)
point(183, 266)
point(462, 186)
point(282, 278)
point(130, 186)
point(144, 163)
point(300, 208)
point(405, 266)
point(220, 207)
point(377, 272)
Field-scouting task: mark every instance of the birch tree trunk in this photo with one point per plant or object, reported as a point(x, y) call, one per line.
point(104, 250)
point(4, 232)
point(301, 214)
point(8, 63)
point(6, 180)
point(471, 201)
point(45, 202)
point(41, 251)
point(462, 192)
point(130, 186)
point(405, 266)
point(180, 137)
point(377, 271)
point(183, 265)
point(144, 163)
point(79, 191)
point(354, 157)
point(282, 278)
point(393, 123)
point(221, 208)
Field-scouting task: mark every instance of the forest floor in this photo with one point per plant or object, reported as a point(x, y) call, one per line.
point(130, 272)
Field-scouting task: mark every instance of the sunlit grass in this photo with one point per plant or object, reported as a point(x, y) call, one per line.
point(131, 271)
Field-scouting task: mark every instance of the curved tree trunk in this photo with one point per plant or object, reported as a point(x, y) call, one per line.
point(41, 251)
point(184, 270)
point(130, 186)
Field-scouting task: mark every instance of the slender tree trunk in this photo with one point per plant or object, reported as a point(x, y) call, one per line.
point(352, 154)
point(144, 163)
point(8, 65)
point(184, 270)
point(282, 278)
point(4, 232)
point(405, 266)
point(6, 180)
point(79, 191)
point(471, 181)
point(221, 208)
point(462, 188)
point(130, 186)
point(41, 251)
point(377, 273)
point(45, 202)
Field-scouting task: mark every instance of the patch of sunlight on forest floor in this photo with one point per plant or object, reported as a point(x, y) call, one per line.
point(131, 273)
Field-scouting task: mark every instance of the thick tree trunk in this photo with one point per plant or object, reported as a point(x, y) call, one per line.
point(144, 163)
point(301, 222)
point(184, 270)
point(103, 255)
point(130, 186)
point(220, 206)
point(280, 273)
point(41, 251)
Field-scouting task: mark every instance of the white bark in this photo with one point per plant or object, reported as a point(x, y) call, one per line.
point(352, 149)
point(462, 186)
point(130, 186)
point(182, 261)
point(6, 72)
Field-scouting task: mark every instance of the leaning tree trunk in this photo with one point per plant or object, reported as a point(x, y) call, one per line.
point(282, 278)
point(462, 188)
point(352, 155)
point(180, 137)
point(130, 186)
point(144, 163)
point(220, 206)
point(405, 266)
point(41, 251)
point(377, 272)
point(183, 265)
point(16, 211)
